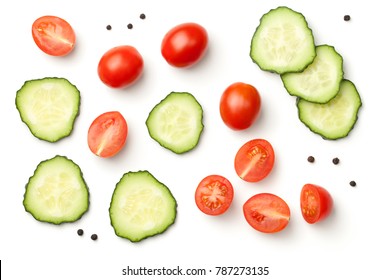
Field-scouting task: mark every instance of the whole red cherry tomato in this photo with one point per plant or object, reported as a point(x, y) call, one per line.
point(240, 106)
point(185, 44)
point(120, 66)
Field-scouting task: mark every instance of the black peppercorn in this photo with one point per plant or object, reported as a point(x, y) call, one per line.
point(347, 17)
point(142, 16)
point(108, 27)
point(130, 26)
point(336, 160)
point(80, 232)
point(310, 159)
point(352, 184)
point(94, 236)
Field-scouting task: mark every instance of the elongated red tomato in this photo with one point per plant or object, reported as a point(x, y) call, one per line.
point(266, 212)
point(185, 44)
point(53, 35)
point(316, 203)
point(254, 160)
point(240, 105)
point(214, 195)
point(107, 134)
point(120, 66)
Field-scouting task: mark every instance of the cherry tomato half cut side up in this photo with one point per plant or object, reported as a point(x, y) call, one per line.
point(240, 106)
point(53, 35)
point(120, 66)
point(254, 160)
point(214, 195)
point(184, 45)
point(267, 213)
point(107, 134)
point(316, 203)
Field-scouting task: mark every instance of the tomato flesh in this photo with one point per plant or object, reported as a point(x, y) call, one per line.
point(240, 106)
point(316, 203)
point(107, 134)
point(254, 160)
point(184, 45)
point(53, 35)
point(266, 213)
point(120, 66)
point(214, 195)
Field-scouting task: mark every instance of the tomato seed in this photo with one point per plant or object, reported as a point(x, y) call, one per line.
point(80, 232)
point(108, 27)
point(94, 236)
point(352, 184)
point(336, 160)
point(347, 17)
point(311, 159)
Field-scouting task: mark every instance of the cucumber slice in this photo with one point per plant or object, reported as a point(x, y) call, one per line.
point(283, 42)
point(49, 107)
point(176, 123)
point(320, 81)
point(57, 192)
point(335, 119)
point(141, 206)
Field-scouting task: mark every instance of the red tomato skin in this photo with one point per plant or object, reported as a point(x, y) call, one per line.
point(53, 35)
point(240, 105)
point(214, 185)
point(267, 213)
point(184, 45)
point(120, 66)
point(323, 199)
point(107, 134)
point(254, 160)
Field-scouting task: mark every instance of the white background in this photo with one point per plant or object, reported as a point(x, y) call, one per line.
point(352, 242)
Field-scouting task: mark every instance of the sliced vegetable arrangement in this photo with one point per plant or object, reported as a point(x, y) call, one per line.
point(176, 123)
point(49, 107)
point(56, 193)
point(141, 206)
point(284, 43)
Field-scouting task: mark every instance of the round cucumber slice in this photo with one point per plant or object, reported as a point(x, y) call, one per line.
point(141, 206)
point(57, 192)
point(49, 107)
point(335, 119)
point(283, 42)
point(176, 123)
point(320, 81)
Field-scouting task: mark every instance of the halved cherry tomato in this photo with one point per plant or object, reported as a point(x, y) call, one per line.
point(107, 134)
point(185, 44)
point(240, 105)
point(316, 203)
point(214, 195)
point(120, 66)
point(267, 212)
point(254, 160)
point(53, 35)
